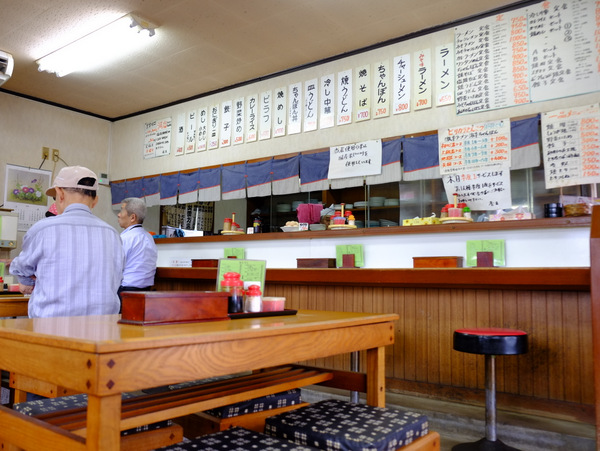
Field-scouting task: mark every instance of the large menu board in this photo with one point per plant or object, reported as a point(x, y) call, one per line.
point(571, 139)
point(544, 51)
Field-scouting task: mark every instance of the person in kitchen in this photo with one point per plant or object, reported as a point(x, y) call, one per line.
point(140, 250)
point(72, 263)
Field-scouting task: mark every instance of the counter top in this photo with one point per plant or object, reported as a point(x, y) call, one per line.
point(543, 223)
point(569, 279)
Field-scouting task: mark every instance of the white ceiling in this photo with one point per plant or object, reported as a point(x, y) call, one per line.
point(203, 45)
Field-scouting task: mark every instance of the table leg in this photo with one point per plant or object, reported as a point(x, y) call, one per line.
point(354, 367)
point(103, 422)
point(376, 377)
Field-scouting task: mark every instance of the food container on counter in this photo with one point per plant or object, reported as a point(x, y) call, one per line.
point(273, 304)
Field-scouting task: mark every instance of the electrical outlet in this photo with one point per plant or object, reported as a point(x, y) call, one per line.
point(45, 153)
point(55, 155)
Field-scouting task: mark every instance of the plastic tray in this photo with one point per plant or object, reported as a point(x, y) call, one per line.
point(285, 312)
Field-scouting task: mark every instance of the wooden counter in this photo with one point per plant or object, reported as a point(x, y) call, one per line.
point(543, 223)
point(14, 305)
point(486, 278)
point(552, 304)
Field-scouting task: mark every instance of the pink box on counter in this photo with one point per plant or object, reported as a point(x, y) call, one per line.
point(273, 304)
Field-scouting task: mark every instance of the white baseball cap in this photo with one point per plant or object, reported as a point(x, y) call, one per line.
point(69, 177)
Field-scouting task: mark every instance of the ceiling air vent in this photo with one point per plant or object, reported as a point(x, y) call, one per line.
point(6, 66)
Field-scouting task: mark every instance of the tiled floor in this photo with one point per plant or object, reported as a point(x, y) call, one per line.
point(459, 423)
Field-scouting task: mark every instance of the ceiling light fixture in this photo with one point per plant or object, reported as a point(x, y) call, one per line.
point(107, 44)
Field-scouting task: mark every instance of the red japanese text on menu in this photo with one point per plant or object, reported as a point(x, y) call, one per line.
point(571, 143)
point(553, 51)
point(471, 147)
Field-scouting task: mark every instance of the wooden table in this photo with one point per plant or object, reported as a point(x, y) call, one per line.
point(13, 305)
point(98, 356)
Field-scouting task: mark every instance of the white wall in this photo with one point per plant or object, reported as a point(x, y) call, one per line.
point(26, 126)
point(528, 248)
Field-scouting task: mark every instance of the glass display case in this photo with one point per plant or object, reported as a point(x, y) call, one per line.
point(383, 205)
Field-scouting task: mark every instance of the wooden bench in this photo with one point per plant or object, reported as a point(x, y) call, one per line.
point(155, 407)
point(25, 384)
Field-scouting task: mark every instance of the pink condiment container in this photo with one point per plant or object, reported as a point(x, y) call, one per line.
point(273, 304)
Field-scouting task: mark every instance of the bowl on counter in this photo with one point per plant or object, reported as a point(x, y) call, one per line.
point(273, 304)
point(283, 208)
point(291, 228)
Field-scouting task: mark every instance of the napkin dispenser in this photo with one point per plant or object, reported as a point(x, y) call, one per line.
point(168, 307)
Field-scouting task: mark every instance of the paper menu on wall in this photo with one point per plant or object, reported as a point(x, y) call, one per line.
point(495, 246)
point(252, 272)
point(353, 249)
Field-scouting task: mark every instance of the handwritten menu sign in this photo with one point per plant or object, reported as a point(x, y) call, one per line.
point(401, 84)
point(564, 48)
point(544, 51)
point(475, 146)
point(251, 271)
point(355, 159)
point(487, 189)
point(489, 73)
point(157, 138)
point(571, 141)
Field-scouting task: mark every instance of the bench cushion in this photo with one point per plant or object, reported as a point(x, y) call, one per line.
point(269, 402)
point(237, 439)
point(48, 405)
point(340, 425)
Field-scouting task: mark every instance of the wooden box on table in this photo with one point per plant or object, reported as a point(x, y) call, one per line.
point(165, 307)
point(315, 262)
point(437, 262)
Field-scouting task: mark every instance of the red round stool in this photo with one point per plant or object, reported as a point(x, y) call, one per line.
point(490, 342)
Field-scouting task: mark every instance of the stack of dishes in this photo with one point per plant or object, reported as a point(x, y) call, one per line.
point(295, 204)
point(373, 223)
point(391, 202)
point(360, 204)
point(387, 223)
point(376, 201)
point(283, 208)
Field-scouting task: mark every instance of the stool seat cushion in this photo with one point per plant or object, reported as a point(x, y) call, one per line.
point(493, 341)
point(339, 425)
point(49, 405)
point(237, 439)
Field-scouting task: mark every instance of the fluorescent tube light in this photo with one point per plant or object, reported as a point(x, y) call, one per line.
point(109, 43)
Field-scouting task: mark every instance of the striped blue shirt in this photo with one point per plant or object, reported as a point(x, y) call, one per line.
point(77, 261)
point(141, 255)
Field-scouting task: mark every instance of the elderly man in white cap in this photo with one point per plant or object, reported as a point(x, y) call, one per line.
point(71, 264)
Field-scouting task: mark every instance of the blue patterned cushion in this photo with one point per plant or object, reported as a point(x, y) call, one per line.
point(340, 425)
point(275, 401)
point(47, 405)
point(237, 439)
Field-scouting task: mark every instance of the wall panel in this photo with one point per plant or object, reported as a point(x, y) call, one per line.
point(556, 373)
